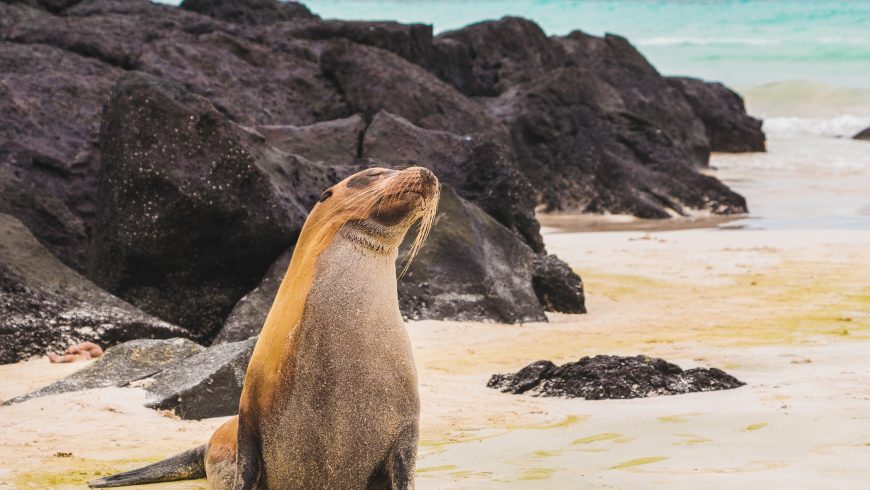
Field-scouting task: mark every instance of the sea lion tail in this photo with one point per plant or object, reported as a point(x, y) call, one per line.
point(188, 465)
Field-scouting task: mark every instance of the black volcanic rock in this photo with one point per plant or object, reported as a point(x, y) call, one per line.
point(195, 208)
point(249, 314)
point(206, 384)
point(504, 53)
point(46, 306)
point(412, 42)
point(249, 12)
point(557, 286)
point(474, 165)
point(50, 102)
point(470, 268)
point(729, 127)
point(374, 80)
point(612, 377)
point(59, 69)
point(594, 126)
point(583, 149)
point(121, 365)
point(45, 215)
point(863, 135)
point(335, 142)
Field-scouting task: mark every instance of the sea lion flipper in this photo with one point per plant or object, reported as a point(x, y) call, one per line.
point(401, 459)
point(248, 471)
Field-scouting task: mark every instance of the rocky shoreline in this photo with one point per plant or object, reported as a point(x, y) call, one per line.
point(168, 156)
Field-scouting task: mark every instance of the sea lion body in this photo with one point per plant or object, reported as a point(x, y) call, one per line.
point(330, 396)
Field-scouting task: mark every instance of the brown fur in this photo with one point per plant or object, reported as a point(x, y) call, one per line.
point(330, 396)
point(271, 386)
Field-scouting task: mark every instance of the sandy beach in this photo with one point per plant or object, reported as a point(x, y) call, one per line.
point(786, 311)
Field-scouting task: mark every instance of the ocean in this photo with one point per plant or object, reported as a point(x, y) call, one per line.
point(802, 66)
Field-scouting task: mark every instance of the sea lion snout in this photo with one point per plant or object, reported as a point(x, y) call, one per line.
point(428, 182)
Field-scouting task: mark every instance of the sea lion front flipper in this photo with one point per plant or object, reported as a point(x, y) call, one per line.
point(248, 462)
point(402, 459)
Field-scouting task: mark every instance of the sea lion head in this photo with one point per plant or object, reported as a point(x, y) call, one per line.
point(377, 206)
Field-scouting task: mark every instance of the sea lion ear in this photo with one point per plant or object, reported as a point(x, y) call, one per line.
point(326, 195)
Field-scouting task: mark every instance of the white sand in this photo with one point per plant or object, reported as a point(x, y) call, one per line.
point(788, 312)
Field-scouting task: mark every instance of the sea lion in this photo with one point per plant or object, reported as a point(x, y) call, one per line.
point(79, 352)
point(330, 395)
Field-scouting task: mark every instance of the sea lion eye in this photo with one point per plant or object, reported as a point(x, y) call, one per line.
point(326, 195)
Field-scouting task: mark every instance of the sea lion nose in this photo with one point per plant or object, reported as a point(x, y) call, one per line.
point(427, 178)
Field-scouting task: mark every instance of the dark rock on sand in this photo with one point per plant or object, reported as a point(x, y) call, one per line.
point(335, 142)
point(729, 128)
point(207, 384)
point(558, 287)
point(594, 126)
point(120, 366)
point(863, 135)
point(249, 12)
point(474, 165)
point(470, 268)
point(46, 306)
point(583, 149)
point(612, 377)
point(249, 315)
point(195, 208)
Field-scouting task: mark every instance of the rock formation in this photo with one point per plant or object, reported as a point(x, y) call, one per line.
point(45, 305)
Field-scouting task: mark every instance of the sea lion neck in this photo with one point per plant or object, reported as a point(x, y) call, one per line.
point(373, 237)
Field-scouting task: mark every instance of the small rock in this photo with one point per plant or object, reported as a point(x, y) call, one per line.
point(558, 287)
point(612, 377)
point(207, 384)
point(863, 135)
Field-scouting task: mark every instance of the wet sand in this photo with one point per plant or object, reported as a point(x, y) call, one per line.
point(788, 312)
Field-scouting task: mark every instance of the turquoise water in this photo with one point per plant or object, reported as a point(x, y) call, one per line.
point(743, 43)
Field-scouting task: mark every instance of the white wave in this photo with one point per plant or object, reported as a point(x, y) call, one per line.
point(844, 126)
point(705, 41)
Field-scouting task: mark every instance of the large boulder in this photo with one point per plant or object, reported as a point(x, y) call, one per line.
point(470, 268)
point(44, 214)
point(206, 384)
point(729, 128)
point(249, 12)
point(249, 314)
point(336, 142)
point(583, 149)
point(474, 165)
point(121, 365)
point(593, 125)
point(194, 207)
point(46, 306)
point(374, 79)
point(410, 41)
point(50, 102)
point(504, 53)
point(59, 69)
